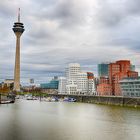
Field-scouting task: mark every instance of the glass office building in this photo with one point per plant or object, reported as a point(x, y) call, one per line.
point(103, 69)
point(130, 87)
point(53, 84)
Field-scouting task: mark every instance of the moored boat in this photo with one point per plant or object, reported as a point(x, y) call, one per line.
point(7, 102)
point(69, 99)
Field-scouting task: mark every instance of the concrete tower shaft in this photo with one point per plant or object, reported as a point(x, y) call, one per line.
point(18, 29)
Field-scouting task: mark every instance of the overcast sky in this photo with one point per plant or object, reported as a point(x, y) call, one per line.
point(58, 32)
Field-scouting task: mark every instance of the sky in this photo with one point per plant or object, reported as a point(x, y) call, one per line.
point(59, 32)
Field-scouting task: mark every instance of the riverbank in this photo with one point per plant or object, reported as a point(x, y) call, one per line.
point(108, 100)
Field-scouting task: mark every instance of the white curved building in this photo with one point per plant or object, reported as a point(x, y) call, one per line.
point(72, 70)
point(62, 85)
point(82, 82)
point(77, 82)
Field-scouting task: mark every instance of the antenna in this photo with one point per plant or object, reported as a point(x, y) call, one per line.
point(18, 14)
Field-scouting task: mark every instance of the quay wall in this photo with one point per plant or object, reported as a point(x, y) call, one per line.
point(108, 100)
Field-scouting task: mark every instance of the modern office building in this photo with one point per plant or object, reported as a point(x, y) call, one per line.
point(77, 81)
point(122, 70)
point(18, 29)
point(103, 69)
point(117, 71)
point(71, 76)
point(130, 87)
point(133, 67)
point(62, 85)
point(72, 70)
point(104, 88)
point(53, 84)
point(82, 83)
point(71, 89)
point(91, 86)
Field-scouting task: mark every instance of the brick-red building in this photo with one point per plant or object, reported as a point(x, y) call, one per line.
point(117, 71)
point(104, 88)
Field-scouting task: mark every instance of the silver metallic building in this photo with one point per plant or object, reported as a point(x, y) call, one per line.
point(130, 87)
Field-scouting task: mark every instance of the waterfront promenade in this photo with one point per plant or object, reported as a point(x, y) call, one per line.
point(107, 100)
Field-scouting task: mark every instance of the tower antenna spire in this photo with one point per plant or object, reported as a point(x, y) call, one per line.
point(18, 14)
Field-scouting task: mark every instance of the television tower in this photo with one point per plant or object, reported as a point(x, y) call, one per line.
point(18, 29)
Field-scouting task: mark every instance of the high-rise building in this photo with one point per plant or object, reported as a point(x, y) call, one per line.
point(79, 82)
point(132, 67)
point(91, 87)
point(72, 70)
point(117, 71)
point(18, 29)
point(62, 85)
point(103, 69)
point(123, 70)
point(71, 76)
point(82, 83)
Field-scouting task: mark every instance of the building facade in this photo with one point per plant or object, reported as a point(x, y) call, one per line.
point(117, 71)
point(91, 84)
point(104, 87)
point(72, 70)
point(77, 82)
point(53, 84)
point(71, 89)
point(62, 85)
point(103, 69)
point(130, 87)
point(9, 82)
point(82, 83)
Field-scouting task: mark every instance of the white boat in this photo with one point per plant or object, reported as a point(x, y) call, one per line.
point(7, 102)
point(35, 98)
point(48, 99)
point(54, 99)
point(29, 98)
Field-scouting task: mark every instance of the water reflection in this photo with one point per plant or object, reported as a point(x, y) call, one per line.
point(34, 120)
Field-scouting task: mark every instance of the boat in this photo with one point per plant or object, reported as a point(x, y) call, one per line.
point(54, 99)
point(35, 98)
point(29, 98)
point(48, 99)
point(7, 99)
point(7, 102)
point(69, 99)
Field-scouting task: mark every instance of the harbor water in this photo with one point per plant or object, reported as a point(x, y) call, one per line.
point(35, 120)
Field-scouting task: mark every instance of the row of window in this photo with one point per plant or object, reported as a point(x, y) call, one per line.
point(129, 87)
point(131, 83)
point(132, 94)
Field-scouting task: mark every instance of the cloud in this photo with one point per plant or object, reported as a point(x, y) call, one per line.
point(111, 13)
point(58, 32)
